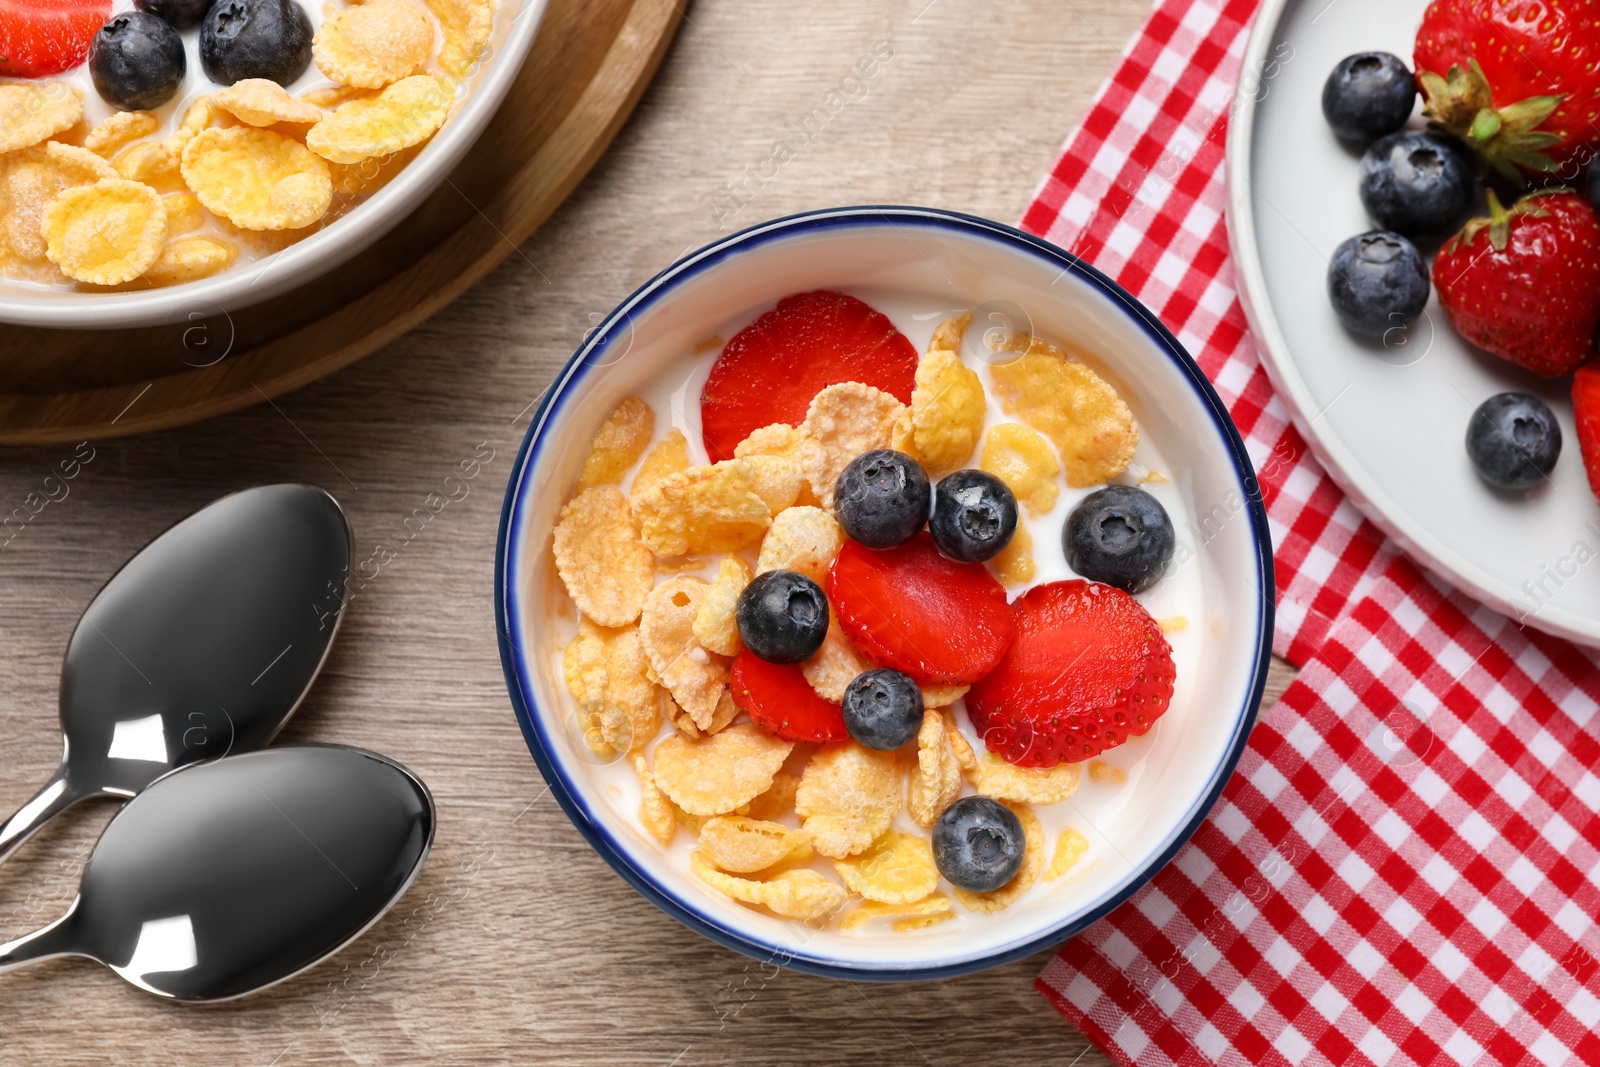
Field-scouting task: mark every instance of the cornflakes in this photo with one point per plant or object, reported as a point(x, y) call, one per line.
point(259, 102)
point(669, 456)
point(779, 800)
point(695, 677)
point(847, 797)
point(1020, 456)
point(714, 624)
point(802, 539)
point(717, 774)
point(775, 479)
point(607, 570)
point(150, 163)
point(107, 233)
point(1070, 847)
point(618, 443)
point(187, 259)
point(1032, 864)
point(947, 408)
point(940, 696)
point(30, 113)
point(604, 727)
point(406, 113)
point(196, 118)
point(897, 869)
point(29, 181)
point(702, 509)
point(333, 95)
point(831, 668)
point(257, 179)
point(374, 44)
point(741, 845)
point(936, 781)
point(842, 422)
point(794, 894)
point(994, 777)
point(1071, 405)
point(918, 922)
point(184, 214)
point(779, 439)
point(121, 128)
point(1101, 771)
point(1014, 564)
point(655, 810)
point(934, 905)
point(467, 25)
point(603, 664)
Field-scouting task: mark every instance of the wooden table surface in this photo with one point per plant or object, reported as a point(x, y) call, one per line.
point(518, 944)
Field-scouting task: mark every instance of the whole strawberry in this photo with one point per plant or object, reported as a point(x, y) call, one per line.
point(1519, 82)
point(1525, 283)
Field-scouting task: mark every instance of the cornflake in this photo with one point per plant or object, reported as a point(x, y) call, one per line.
point(714, 624)
point(717, 774)
point(1032, 864)
point(775, 479)
point(619, 442)
point(257, 179)
point(405, 114)
point(897, 869)
point(151, 163)
point(794, 894)
point(994, 777)
point(831, 668)
point(184, 214)
point(1071, 405)
point(934, 906)
point(30, 113)
point(607, 571)
point(777, 801)
point(669, 456)
point(947, 405)
point(1014, 564)
point(702, 509)
point(695, 677)
point(940, 696)
point(936, 780)
point(741, 845)
point(29, 181)
point(188, 259)
point(467, 25)
point(802, 539)
point(843, 421)
point(259, 102)
point(848, 796)
point(1020, 456)
point(1070, 847)
point(603, 664)
point(107, 233)
point(655, 810)
point(372, 45)
point(779, 439)
point(121, 128)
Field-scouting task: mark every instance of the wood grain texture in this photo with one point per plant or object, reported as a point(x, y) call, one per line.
point(518, 944)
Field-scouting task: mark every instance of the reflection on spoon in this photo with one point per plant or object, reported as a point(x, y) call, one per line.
point(203, 644)
point(226, 877)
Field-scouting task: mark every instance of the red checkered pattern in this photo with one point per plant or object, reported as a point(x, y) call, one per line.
point(1138, 192)
point(1404, 871)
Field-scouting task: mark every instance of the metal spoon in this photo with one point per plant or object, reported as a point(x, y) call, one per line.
point(202, 644)
point(227, 877)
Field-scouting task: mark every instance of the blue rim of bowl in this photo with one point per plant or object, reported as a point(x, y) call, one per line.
point(587, 359)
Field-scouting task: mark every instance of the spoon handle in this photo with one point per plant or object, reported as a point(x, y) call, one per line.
point(47, 944)
point(56, 796)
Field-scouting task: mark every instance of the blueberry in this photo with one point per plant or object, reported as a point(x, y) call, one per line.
point(1415, 183)
point(883, 709)
point(1121, 536)
point(974, 516)
point(978, 844)
point(137, 61)
point(1378, 282)
point(181, 13)
point(1368, 95)
point(782, 616)
point(255, 39)
point(882, 498)
point(1514, 440)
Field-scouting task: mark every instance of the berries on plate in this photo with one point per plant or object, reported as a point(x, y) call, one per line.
point(771, 369)
point(782, 616)
point(911, 608)
point(1416, 183)
point(137, 61)
point(883, 709)
point(1377, 282)
point(1524, 283)
point(39, 38)
point(778, 699)
point(1121, 536)
point(243, 39)
point(1586, 414)
point(974, 516)
point(183, 14)
point(882, 498)
point(1516, 82)
point(1368, 95)
point(978, 844)
point(1089, 669)
point(1514, 440)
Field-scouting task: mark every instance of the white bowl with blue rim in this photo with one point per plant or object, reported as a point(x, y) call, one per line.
point(935, 258)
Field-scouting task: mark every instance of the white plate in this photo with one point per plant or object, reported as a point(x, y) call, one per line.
point(1388, 421)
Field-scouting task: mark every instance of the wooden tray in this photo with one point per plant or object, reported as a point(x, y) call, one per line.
point(590, 63)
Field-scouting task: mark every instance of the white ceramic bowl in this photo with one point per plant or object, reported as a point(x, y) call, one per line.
point(958, 261)
point(247, 283)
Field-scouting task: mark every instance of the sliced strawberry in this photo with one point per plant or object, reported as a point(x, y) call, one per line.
point(1586, 413)
point(1089, 669)
point(773, 367)
point(39, 38)
point(778, 699)
point(911, 608)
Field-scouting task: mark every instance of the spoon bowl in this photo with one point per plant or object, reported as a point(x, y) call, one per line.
point(226, 877)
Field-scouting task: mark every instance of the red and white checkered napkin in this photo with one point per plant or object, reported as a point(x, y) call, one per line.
point(1404, 870)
